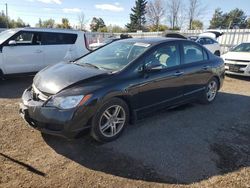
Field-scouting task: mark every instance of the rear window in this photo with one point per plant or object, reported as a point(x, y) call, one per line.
point(58, 38)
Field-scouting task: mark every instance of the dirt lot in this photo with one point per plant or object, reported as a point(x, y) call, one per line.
point(192, 145)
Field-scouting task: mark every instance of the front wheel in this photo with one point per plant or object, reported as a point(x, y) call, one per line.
point(110, 120)
point(210, 92)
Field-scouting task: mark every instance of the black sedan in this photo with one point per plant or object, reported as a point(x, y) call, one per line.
point(106, 89)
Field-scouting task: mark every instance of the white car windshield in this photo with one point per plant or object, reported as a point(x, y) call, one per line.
point(6, 34)
point(244, 47)
point(114, 56)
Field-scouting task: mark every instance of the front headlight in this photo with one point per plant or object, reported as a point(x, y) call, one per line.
point(67, 102)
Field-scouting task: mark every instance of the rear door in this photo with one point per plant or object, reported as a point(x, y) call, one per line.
point(196, 68)
point(58, 46)
point(26, 55)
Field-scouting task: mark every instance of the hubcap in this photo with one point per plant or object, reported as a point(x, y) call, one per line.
point(112, 121)
point(212, 90)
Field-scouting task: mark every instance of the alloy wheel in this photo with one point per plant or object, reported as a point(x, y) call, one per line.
point(112, 121)
point(212, 89)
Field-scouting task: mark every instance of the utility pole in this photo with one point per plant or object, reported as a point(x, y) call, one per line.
point(6, 13)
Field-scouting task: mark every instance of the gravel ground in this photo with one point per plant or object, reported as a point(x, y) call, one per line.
point(189, 146)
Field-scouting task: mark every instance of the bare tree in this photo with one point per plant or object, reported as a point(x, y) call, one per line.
point(195, 10)
point(155, 12)
point(82, 21)
point(174, 7)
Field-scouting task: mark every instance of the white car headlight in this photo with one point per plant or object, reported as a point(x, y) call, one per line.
point(67, 102)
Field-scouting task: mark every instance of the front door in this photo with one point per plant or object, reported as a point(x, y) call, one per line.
point(24, 54)
point(163, 84)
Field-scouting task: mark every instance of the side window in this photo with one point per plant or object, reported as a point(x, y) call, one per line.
point(27, 38)
point(58, 38)
point(209, 41)
point(192, 53)
point(167, 56)
point(202, 41)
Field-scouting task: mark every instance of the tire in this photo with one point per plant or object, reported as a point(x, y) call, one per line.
point(107, 124)
point(211, 91)
point(217, 53)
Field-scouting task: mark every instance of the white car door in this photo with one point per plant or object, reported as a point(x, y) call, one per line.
point(23, 53)
point(57, 46)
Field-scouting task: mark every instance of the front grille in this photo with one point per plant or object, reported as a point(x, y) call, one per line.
point(38, 95)
point(235, 68)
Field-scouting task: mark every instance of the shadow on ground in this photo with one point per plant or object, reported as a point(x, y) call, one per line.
point(184, 145)
point(13, 88)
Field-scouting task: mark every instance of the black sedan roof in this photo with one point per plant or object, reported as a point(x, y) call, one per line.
point(153, 40)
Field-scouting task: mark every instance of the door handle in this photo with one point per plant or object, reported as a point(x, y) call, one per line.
point(205, 67)
point(178, 73)
point(38, 51)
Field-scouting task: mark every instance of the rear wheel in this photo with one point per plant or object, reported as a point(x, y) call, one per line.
point(110, 120)
point(210, 92)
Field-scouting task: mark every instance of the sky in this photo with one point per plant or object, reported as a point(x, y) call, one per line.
point(112, 11)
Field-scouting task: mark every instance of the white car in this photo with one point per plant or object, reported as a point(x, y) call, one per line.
point(208, 40)
point(237, 60)
point(28, 50)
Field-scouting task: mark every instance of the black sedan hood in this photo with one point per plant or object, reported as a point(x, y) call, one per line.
point(53, 79)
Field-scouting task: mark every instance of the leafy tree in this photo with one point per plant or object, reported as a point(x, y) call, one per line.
point(65, 24)
point(3, 20)
point(50, 23)
point(197, 24)
point(248, 23)
point(97, 24)
point(236, 18)
point(115, 29)
point(154, 28)
point(217, 19)
point(137, 17)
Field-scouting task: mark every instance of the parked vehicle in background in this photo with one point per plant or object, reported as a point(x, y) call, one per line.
point(237, 60)
point(109, 40)
point(29, 50)
point(115, 84)
point(208, 40)
point(99, 44)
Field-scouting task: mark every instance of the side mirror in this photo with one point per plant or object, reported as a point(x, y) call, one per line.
point(12, 43)
point(153, 67)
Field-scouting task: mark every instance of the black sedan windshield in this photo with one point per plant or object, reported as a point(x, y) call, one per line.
point(114, 56)
point(244, 47)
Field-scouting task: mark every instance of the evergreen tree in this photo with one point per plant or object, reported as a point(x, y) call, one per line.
point(137, 17)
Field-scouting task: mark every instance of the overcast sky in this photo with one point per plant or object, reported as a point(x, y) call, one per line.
point(112, 11)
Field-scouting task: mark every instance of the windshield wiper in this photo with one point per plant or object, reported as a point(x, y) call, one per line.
point(88, 64)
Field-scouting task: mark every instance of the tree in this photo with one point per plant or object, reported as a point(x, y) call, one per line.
point(248, 23)
point(155, 11)
point(115, 29)
point(137, 17)
point(217, 19)
point(160, 27)
point(82, 21)
point(194, 11)
point(65, 24)
point(97, 24)
point(173, 12)
point(3, 20)
point(236, 18)
point(50, 23)
point(197, 24)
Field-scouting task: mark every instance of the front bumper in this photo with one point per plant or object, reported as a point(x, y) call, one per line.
point(241, 69)
point(51, 120)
